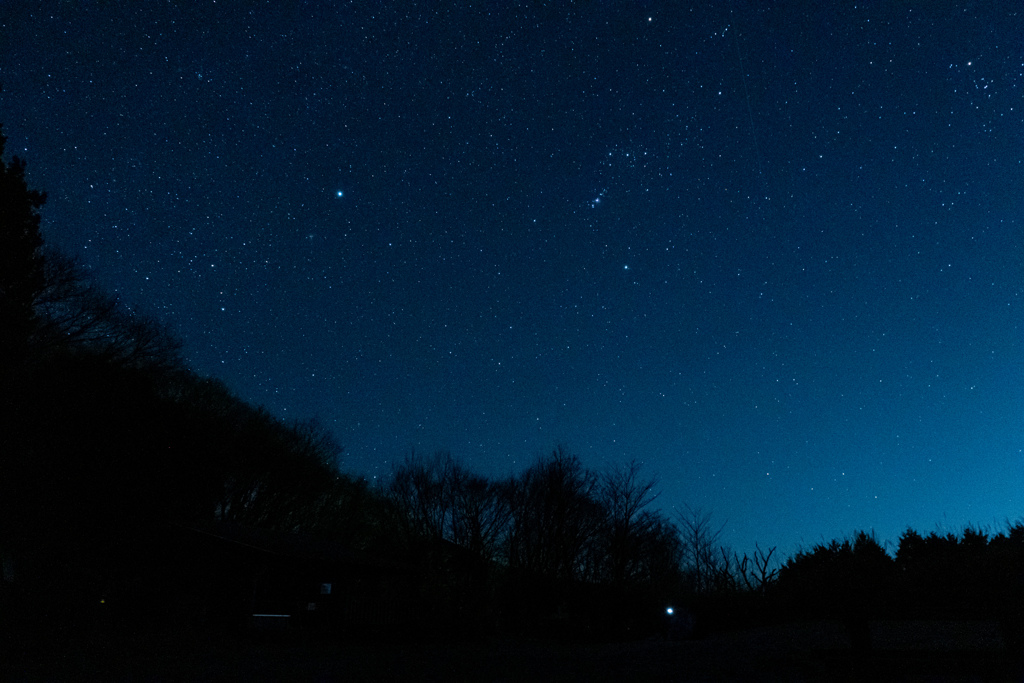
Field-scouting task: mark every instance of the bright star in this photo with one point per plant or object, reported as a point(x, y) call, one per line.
point(340, 193)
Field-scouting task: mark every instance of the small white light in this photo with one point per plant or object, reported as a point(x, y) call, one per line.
point(669, 611)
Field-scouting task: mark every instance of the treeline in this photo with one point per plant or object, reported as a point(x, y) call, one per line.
point(971, 576)
point(106, 437)
point(555, 550)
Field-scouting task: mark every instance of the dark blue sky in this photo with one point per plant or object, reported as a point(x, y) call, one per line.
point(774, 251)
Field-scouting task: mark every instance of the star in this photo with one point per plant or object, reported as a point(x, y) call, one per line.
point(339, 194)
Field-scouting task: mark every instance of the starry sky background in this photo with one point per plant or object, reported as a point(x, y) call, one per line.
point(774, 251)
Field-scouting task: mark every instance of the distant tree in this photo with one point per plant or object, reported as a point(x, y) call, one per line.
point(451, 524)
point(853, 581)
point(556, 520)
point(280, 476)
point(481, 511)
point(420, 491)
point(970, 576)
point(874, 572)
point(706, 561)
point(625, 495)
point(663, 551)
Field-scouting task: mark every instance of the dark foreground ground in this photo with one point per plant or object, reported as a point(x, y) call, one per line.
point(820, 651)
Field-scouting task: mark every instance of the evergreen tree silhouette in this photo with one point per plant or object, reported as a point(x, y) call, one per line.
point(21, 258)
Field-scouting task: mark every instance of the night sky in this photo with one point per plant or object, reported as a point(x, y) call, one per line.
point(774, 251)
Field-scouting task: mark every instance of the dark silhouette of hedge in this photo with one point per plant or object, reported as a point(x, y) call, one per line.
point(852, 581)
point(966, 577)
point(971, 576)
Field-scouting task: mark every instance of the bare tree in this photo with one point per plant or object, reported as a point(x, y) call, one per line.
point(73, 312)
point(661, 550)
point(756, 572)
point(420, 489)
point(481, 511)
point(704, 557)
point(438, 498)
point(281, 476)
point(625, 495)
point(556, 519)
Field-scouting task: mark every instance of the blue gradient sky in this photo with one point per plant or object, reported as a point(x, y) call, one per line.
point(774, 251)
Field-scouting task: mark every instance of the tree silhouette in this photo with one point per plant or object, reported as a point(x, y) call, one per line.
point(73, 312)
point(21, 258)
point(757, 572)
point(279, 476)
point(624, 496)
point(481, 510)
point(421, 491)
point(556, 519)
point(971, 576)
point(706, 561)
